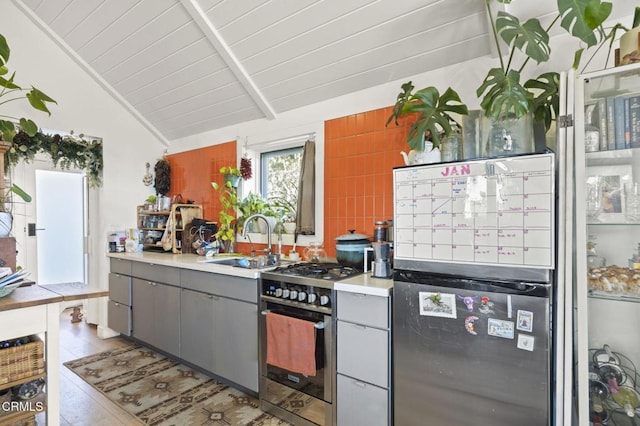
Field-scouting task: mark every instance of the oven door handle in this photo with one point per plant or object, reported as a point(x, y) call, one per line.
point(318, 325)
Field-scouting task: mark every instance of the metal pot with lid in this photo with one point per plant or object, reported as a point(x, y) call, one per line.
point(350, 249)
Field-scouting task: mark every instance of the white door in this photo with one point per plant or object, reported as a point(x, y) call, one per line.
point(60, 227)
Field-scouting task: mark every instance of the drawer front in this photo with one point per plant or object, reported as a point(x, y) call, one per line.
point(120, 266)
point(363, 353)
point(360, 403)
point(120, 317)
point(363, 309)
point(120, 288)
point(156, 273)
point(245, 289)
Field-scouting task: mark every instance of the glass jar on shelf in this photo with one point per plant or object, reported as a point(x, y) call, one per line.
point(593, 260)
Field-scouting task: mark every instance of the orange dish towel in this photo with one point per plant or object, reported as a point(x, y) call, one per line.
point(291, 344)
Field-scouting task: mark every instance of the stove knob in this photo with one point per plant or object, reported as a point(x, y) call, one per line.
point(293, 295)
point(301, 296)
point(312, 297)
point(324, 300)
point(278, 292)
point(285, 293)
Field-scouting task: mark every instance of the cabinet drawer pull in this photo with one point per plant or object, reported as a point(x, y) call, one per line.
point(359, 327)
point(359, 383)
point(211, 296)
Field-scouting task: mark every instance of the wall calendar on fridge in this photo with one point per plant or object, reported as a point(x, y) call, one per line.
point(494, 212)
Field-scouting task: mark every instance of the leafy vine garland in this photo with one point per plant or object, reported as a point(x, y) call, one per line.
point(65, 152)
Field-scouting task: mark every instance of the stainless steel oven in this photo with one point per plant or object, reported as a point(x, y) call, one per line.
point(303, 291)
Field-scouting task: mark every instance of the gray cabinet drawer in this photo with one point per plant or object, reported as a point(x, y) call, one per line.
point(363, 309)
point(360, 403)
point(120, 266)
point(363, 353)
point(120, 288)
point(119, 317)
point(245, 289)
point(156, 273)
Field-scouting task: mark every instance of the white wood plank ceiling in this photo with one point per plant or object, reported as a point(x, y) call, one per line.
point(189, 66)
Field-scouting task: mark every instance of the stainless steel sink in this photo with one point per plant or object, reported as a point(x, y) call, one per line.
point(233, 261)
point(239, 262)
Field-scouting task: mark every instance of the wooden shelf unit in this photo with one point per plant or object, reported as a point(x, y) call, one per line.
point(153, 224)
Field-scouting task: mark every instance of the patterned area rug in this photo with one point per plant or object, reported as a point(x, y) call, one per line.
point(160, 391)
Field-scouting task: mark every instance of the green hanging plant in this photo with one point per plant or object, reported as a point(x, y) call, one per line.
point(65, 152)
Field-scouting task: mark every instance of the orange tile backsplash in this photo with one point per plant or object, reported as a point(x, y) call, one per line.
point(193, 171)
point(360, 153)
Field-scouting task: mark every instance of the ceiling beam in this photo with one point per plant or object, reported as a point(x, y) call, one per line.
point(215, 38)
point(92, 73)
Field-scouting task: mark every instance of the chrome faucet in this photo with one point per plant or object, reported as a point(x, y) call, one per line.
point(272, 259)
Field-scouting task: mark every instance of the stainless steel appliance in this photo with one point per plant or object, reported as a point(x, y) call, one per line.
point(304, 291)
point(474, 259)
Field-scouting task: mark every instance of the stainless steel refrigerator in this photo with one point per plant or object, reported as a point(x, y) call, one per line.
point(474, 256)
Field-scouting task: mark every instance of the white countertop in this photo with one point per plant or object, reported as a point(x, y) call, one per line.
point(366, 284)
point(188, 261)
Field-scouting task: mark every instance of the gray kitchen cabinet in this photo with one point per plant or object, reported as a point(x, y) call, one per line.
point(196, 327)
point(363, 359)
point(156, 314)
point(235, 354)
point(119, 306)
point(219, 325)
point(361, 403)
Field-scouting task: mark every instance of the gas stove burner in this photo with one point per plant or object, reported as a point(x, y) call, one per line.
point(324, 271)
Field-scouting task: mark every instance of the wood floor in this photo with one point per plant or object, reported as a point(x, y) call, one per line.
point(80, 404)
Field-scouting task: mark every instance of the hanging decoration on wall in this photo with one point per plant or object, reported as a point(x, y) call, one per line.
point(163, 176)
point(148, 177)
point(65, 152)
point(245, 163)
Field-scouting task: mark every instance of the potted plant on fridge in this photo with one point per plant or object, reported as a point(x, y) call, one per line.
point(505, 99)
point(433, 119)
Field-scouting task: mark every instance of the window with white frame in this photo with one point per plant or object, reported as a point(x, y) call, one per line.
point(276, 172)
point(280, 173)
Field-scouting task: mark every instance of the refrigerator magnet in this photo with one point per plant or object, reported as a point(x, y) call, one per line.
point(525, 342)
point(486, 306)
point(470, 323)
point(500, 328)
point(469, 301)
point(437, 304)
point(525, 321)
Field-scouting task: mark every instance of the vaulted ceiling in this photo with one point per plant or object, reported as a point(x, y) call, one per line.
point(189, 66)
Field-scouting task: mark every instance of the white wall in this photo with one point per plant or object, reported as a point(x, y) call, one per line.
point(85, 107)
